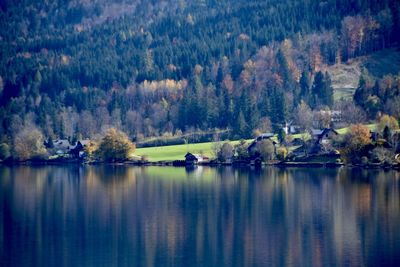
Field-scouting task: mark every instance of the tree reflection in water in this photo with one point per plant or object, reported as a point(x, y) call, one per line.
point(161, 216)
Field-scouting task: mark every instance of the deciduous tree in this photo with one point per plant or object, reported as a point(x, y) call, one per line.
point(266, 149)
point(357, 138)
point(115, 146)
point(387, 121)
point(29, 144)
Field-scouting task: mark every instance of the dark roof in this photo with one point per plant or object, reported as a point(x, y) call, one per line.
point(265, 136)
point(320, 133)
point(190, 156)
point(260, 138)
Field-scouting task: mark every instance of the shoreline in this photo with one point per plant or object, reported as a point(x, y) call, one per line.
point(281, 164)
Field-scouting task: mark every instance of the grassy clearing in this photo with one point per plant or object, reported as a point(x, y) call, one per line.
point(345, 77)
point(371, 126)
point(176, 152)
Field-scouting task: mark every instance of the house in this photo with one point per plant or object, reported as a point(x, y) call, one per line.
point(265, 136)
point(192, 159)
point(322, 141)
point(324, 136)
point(78, 150)
point(62, 146)
point(289, 128)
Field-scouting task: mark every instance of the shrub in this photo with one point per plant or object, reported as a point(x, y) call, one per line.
point(4, 151)
point(241, 150)
point(226, 152)
point(381, 155)
point(266, 149)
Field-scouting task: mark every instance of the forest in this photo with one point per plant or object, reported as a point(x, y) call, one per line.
point(72, 69)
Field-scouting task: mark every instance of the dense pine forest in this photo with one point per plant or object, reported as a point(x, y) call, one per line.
point(161, 68)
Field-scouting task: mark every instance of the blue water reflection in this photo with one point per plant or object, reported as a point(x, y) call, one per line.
point(161, 216)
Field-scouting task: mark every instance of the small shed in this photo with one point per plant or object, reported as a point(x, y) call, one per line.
point(191, 159)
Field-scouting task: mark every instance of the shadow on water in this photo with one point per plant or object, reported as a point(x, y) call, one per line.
point(162, 216)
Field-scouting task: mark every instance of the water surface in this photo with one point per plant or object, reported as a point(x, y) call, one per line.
point(161, 216)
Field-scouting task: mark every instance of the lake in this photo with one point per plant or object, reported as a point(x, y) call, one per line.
point(165, 216)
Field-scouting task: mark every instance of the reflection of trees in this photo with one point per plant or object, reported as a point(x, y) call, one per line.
point(214, 216)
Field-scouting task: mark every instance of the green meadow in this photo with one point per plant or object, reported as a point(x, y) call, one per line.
point(177, 152)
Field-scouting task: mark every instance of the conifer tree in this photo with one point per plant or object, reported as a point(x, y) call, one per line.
point(305, 86)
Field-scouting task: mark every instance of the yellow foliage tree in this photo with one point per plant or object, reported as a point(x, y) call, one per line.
point(355, 140)
point(388, 121)
point(29, 144)
point(91, 148)
point(115, 146)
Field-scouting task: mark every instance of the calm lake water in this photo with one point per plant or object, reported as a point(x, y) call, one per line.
point(161, 216)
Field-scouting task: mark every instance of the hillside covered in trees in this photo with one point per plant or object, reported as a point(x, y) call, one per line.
point(75, 68)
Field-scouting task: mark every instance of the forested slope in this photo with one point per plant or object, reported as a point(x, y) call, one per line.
point(73, 68)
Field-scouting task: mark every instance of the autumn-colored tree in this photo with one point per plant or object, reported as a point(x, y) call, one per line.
point(387, 121)
point(91, 148)
point(357, 138)
point(115, 146)
point(29, 144)
point(282, 153)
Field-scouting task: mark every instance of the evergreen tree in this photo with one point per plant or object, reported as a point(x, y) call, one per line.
point(241, 126)
point(317, 90)
point(281, 135)
point(361, 93)
point(328, 90)
point(305, 86)
point(387, 134)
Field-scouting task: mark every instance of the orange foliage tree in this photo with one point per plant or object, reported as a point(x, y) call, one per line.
point(355, 141)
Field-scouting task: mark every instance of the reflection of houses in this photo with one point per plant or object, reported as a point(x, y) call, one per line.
point(192, 159)
point(252, 148)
